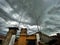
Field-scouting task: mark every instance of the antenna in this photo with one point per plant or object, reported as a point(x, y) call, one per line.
point(38, 26)
point(20, 20)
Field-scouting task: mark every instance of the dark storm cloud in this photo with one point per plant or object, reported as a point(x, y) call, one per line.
point(30, 12)
point(32, 7)
point(51, 9)
point(55, 10)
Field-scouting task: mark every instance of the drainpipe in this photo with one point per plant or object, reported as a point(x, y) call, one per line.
point(10, 36)
point(38, 38)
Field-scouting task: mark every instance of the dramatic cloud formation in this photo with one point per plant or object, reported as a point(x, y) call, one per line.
point(29, 14)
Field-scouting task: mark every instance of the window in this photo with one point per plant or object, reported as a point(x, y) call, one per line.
point(0, 42)
point(31, 42)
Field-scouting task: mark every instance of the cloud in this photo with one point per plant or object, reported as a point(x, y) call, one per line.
point(54, 10)
point(2, 20)
point(12, 23)
point(5, 6)
point(28, 13)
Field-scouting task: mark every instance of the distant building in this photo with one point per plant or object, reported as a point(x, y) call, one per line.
point(57, 37)
point(1, 39)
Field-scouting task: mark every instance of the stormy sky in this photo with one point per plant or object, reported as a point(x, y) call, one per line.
point(35, 15)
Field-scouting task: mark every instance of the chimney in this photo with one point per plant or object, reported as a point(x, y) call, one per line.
point(23, 31)
point(22, 38)
point(12, 31)
point(58, 34)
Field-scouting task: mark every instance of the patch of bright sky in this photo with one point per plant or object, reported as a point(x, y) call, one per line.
point(12, 23)
point(5, 29)
point(15, 16)
point(21, 17)
point(6, 7)
point(2, 20)
point(54, 33)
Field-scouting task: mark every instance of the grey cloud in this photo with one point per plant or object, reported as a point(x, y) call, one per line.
point(43, 12)
point(55, 10)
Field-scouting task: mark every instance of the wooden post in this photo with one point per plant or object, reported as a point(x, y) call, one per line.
point(12, 31)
